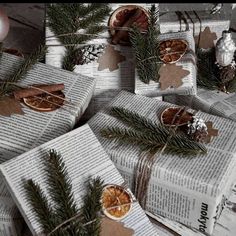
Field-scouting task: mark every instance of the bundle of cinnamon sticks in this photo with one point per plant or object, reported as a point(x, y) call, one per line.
point(36, 90)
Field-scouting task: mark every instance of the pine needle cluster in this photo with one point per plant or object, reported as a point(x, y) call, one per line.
point(64, 211)
point(207, 69)
point(7, 85)
point(146, 48)
point(208, 72)
point(150, 136)
point(69, 18)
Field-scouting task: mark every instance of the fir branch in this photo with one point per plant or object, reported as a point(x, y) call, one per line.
point(138, 122)
point(70, 18)
point(92, 206)
point(154, 142)
point(207, 70)
point(40, 206)
point(19, 74)
point(146, 48)
point(60, 189)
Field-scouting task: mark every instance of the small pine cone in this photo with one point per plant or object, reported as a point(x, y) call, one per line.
point(227, 73)
point(199, 136)
point(90, 53)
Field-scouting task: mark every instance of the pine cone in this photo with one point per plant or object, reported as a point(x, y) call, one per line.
point(227, 73)
point(197, 130)
point(89, 53)
point(199, 136)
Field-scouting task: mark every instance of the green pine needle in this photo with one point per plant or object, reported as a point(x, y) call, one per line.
point(92, 206)
point(208, 73)
point(66, 18)
point(6, 87)
point(146, 48)
point(43, 210)
point(64, 218)
point(60, 189)
point(150, 136)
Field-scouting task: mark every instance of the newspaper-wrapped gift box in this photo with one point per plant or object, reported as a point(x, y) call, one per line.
point(84, 158)
point(20, 133)
point(197, 22)
point(188, 190)
point(188, 62)
point(210, 101)
point(108, 82)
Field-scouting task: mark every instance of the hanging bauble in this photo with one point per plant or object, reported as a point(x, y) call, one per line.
point(225, 48)
point(4, 25)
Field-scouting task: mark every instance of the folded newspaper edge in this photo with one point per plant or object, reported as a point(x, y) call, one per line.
point(191, 191)
point(84, 158)
point(188, 62)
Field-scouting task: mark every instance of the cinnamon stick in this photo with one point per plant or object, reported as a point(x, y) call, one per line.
point(37, 90)
point(122, 33)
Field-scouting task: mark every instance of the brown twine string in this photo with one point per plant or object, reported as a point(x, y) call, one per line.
point(192, 21)
point(144, 166)
point(200, 22)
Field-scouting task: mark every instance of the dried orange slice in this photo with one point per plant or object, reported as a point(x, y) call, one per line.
point(172, 50)
point(175, 116)
point(116, 202)
point(45, 102)
point(120, 18)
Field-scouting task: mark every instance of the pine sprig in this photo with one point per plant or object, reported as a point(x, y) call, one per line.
point(64, 218)
point(138, 122)
point(92, 206)
point(146, 48)
point(150, 136)
point(43, 210)
point(70, 18)
point(60, 189)
point(8, 84)
point(208, 73)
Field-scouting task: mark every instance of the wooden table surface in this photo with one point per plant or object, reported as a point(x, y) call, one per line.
point(27, 25)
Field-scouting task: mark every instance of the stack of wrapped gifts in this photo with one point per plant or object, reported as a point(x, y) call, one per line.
point(127, 129)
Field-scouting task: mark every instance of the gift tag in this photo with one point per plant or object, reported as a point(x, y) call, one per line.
point(211, 131)
point(10, 106)
point(110, 59)
point(206, 39)
point(171, 76)
point(113, 228)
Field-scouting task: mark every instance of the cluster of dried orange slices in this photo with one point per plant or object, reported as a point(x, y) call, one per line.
point(172, 50)
point(45, 102)
point(116, 201)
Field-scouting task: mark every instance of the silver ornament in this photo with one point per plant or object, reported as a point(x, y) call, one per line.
point(225, 48)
